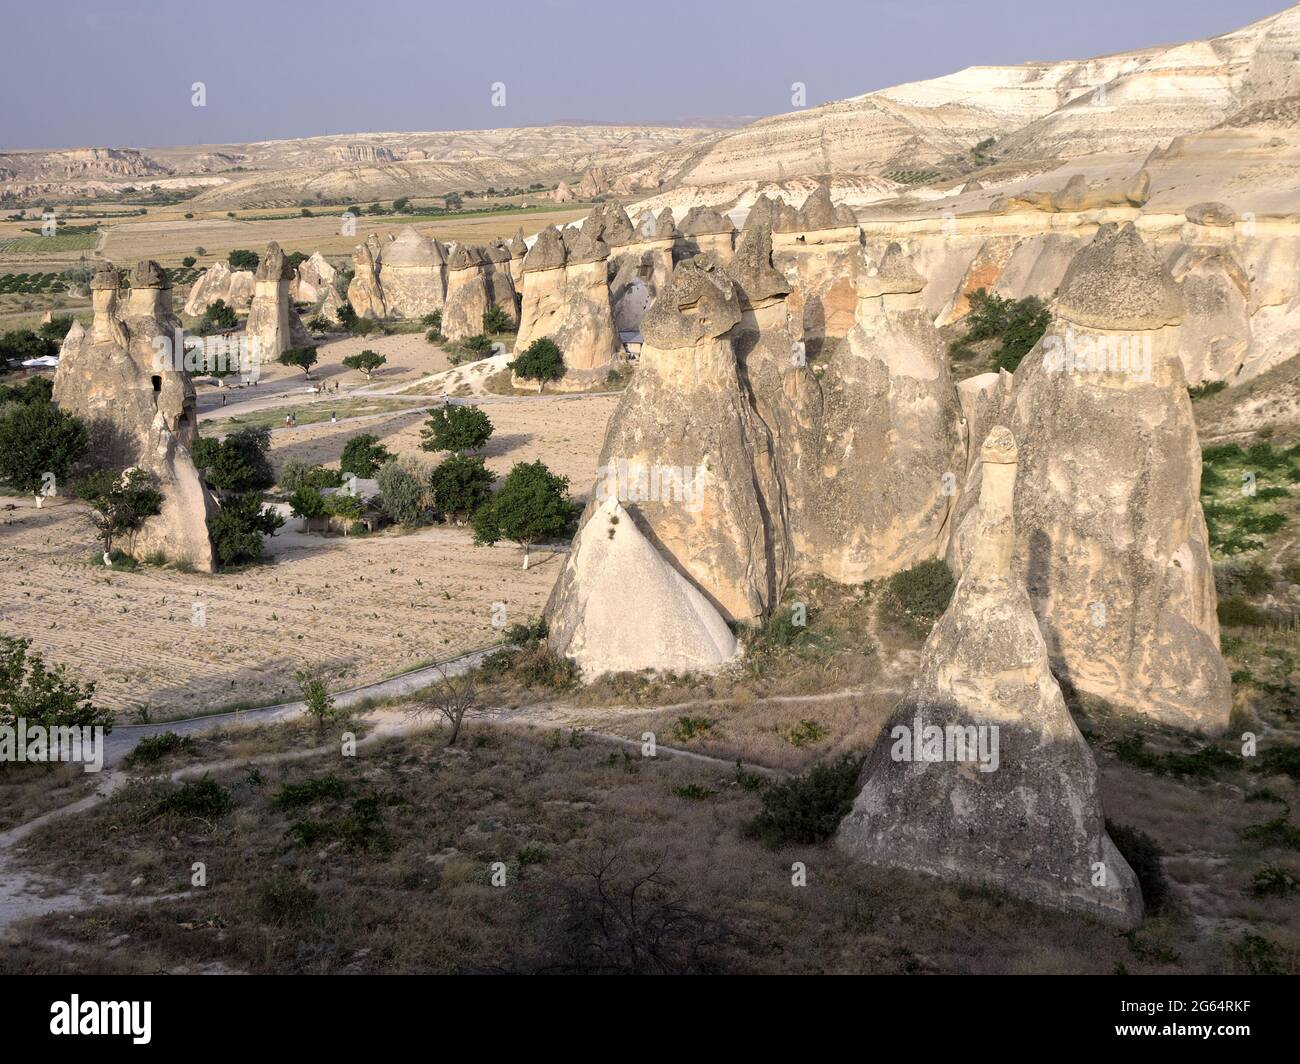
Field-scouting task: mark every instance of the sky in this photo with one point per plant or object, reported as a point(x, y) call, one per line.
point(121, 72)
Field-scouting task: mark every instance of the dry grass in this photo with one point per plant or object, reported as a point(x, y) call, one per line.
point(27, 791)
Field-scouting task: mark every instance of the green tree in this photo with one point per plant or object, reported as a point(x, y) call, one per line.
point(39, 445)
point(346, 315)
point(541, 362)
point(119, 502)
point(532, 505)
point(239, 528)
point(316, 696)
point(57, 327)
point(363, 455)
point(237, 463)
point(401, 205)
point(32, 691)
point(365, 362)
point(188, 261)
point(242, 259)
point(455, 428)
point(218, 317)
point(302, 357)
point(401, 494)
point(460, 486)
point(19, 345)
point(495, 320)
point(452, 201)
point(307, 502)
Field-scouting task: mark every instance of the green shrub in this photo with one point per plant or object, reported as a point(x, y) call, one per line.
point(205, 799)
point(1273, 882)
point(1143, 856)
point(1236, 612)
point(401, 494)
point(685, 729)
point(808, 808)
point(917, 597)
point(295, 795)
point(283, 900)
point(363, 455)
point(153, 748)
point(495, 320)
point(239, 528)
point(806, 733)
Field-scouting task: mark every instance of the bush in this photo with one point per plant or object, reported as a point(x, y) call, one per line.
point(205, 799)
point(218, 317)
point(239, 528)
point(242, 259)
point(153, 748)
point(542, 361)
point(460, 486)
point(307, 502)
point(295, 474)
point(316, 696)
point(402, 496)
point(119, 504)
point(1273, 882)
point(342, 504)
point(1018, 324)
point(1236, 612)
point(363, 455)
point(283, 900)
point(1143, 856)
point(455, 428)
point(43, 694)
point(496, 320)
point(188, 261)
point(808, 808)
point(433, 321)
point(238, 462)
point(38, 441)
point(917, 597)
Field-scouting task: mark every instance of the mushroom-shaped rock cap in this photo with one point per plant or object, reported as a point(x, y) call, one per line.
point(702, 221)
point(893, 275)
point(465, 257)
point(106, 278)
point(547, 251)
point(665, 225)
point(1211, 214)
point(273, 265)
point(148, 274)
point(999, 447)
point(818, 212)
point(1116, 283)
point(585, 246)
point(610, 223)
point(363, 256)
point(763, 211)
point(412, 248)
point(497, 252)
point(699, 302)
point(751, 267)
point(518, 246)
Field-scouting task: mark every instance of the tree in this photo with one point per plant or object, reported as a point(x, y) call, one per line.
point(456, 428)
point(307, 502)
point(119, 502)
point(57, 328)
point(242, 259)
point(316, 696)
point(31, 390)
point(239, 528)
point(460, 486)
point(401, 494)
point(401, 205)
point(532, 505)
point(365, 362)
point(363, 455)
point(346, 315)
point(39, 445)
point(188, 261)
point(451, 698)
point(31, 691)
point(541, 362)
point(218, 317)
point(19, 345)
point(452, 201)
point(237, 463)
point(495, 320)
point(302, 357)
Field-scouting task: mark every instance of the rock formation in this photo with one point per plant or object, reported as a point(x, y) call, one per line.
point(1111, 539)
point(127, 378)
point(980, 775)
point(273, 325)
point(500, 285)
point(412, 275)
point(518, 250)
point(679, 450)
point(365, 293)
point(613, 573)
point(892, 456)
point(219, 281)
point(313, 278)
point(818, 248)
point(467, 294)
point(543, 288)
point(705, 230)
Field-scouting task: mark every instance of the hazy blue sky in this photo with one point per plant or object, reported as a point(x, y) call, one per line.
point(118, 72)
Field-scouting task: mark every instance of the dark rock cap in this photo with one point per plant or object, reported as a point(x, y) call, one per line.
point(1116, 283)
point(585, 247)
point(763, 211)
point(703, 221)
point(518, 246)
point(699, 302)
point(148, 274)
point(893, 275)
point(751, 266)
point(273, 265)
point(547, 251)
point(106, 278)
point(665, 226)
